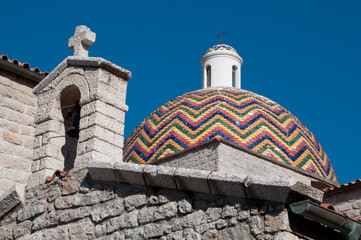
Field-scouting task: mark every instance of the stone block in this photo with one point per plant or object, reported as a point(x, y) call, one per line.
point(101, 133)
point(48, 126)
point(101, 171)
point(276, 221)
point(129, 220)
point(243, 214)
point(45, 221)
point(146, 214)
point(185, 205)
point(25, 99)
point(9, 125)
point(74, 214)
point(129, 173)
point(68, 202)
point(156, 230)
point(105, 122)
point(22, 229)
point(11, 198)
point(6, 232)
point(85, 160)
point(27, 131)
point(28, 143)
point(103, 108)
point(285, 236)
point(97, 196)
point(158, 176)
point(220, 224)
point(344, 207)
point(135, 201)
point(54, 138)
point(81, 230)
point(213, 214)
point(12, 104)
point(227, 184)
point(106, 210)
point(30, 211)
point(301, 191)
point(10, 161)
point(192, 180)
point(273, 189)
point(21, 118)
point(229, 211)
point(31, 111)
point(166, 211)
point(191, 220)
point(50, 163)
point(100, 146)
point(135, 233)
point(46, 151)
point(256, 224)
point(241, 231)
point(39, 177)
point(12, 138)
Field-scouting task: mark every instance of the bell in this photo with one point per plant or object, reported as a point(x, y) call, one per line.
point(73, 131)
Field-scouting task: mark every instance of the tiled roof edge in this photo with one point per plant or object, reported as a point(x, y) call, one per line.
point(23, 69)
point(343, 186)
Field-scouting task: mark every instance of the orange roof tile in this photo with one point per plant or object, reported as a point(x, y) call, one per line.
point(343, 186)
point(24, 65)
point(333, 208)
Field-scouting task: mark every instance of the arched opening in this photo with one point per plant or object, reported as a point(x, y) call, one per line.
point(234, 76)
point(209, 72)
point(70, 108)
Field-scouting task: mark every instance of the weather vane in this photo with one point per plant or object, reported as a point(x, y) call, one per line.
point(221, 35)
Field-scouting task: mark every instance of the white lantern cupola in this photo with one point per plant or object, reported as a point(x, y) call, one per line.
point(221, 67)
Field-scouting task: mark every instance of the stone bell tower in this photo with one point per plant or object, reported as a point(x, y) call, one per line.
point(97, 88)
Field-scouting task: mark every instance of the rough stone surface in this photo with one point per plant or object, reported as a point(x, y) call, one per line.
point(285, 236)
point(114, 210)
point(276, 221)
point(11, 198)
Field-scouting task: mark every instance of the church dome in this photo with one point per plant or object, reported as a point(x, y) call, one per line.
point(235, 115)
point(220, 47)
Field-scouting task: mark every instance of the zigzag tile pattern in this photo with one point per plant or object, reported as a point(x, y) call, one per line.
point(236, 115)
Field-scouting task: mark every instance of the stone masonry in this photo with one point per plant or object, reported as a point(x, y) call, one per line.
point(17, 112)
point(346, 199)
point(100, 88)
point(222, 156)
point(80, 206)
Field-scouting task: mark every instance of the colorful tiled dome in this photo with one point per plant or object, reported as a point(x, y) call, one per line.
point(236, 115)
point(220, 47)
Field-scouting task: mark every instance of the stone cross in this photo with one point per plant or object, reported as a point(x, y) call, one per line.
point(81, 41)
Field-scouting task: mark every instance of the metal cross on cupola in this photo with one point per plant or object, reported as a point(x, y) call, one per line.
point(81, 41)
point(221, 35)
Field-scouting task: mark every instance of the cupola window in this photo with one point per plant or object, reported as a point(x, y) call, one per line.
point(234, 76)
point(208, 76)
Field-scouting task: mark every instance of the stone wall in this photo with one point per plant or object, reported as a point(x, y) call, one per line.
point(17, 112)
point(76, 207)
point(204, 157)
point(221, 157)
point(347, 200)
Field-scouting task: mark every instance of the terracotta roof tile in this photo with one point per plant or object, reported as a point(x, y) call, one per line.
point(333, 208)
point(343, 186)
point(24, 65)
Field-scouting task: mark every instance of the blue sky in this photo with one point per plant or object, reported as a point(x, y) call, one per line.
point(305, 55)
